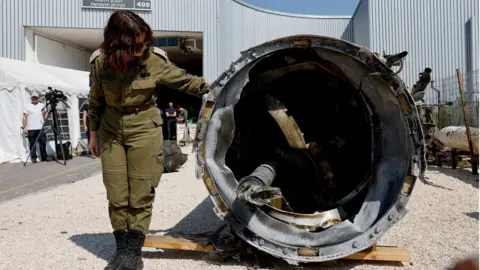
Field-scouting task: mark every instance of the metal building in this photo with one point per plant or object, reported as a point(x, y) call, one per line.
point(441, 34)
point(35, 30)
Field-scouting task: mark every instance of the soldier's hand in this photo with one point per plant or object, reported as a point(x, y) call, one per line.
point(25, 130)
point(94, 147)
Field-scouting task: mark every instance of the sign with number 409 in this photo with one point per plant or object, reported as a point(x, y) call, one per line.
point(142, 4)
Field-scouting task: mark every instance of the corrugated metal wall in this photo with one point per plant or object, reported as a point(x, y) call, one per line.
point(473, 40)
point(476, 41)
point(434, 32)
point(243, 26)
point(228, 26)
point(361, 24)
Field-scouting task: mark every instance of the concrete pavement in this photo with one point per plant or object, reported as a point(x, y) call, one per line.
point(17, 180)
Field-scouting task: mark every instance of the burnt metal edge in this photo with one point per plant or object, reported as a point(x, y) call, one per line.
point(418, 161)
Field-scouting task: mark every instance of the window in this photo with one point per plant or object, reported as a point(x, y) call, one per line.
point(165, 42)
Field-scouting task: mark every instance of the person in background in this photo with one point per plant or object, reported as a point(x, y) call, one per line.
point(129, 127)
point(171, 116)
point(182, 115)
point(33, 120)
point(86, 125)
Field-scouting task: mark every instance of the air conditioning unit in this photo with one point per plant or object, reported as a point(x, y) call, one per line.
point(189, 45)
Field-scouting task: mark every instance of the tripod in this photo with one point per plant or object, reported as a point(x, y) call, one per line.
point(56, 134)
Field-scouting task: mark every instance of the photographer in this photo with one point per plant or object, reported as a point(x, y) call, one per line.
point(33, 120)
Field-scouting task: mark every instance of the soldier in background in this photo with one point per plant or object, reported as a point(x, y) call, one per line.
point(125, 73)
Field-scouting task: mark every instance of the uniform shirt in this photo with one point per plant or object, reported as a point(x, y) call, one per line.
point(35, 116)
point(136, 87)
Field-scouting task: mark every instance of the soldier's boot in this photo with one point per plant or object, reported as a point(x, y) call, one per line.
point(133, 257)
point(121, 241)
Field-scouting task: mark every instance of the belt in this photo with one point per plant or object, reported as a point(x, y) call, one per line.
point(131, 109)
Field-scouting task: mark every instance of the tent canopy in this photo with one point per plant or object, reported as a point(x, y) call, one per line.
point(14, 73)
point(18, 79)
point(76, 79)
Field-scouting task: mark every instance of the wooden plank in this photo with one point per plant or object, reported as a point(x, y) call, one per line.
point(375, 253)
point(171, 242)
point(381, 253)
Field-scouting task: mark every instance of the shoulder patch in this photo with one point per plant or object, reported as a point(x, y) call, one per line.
point(160, 53)
point(94, 55)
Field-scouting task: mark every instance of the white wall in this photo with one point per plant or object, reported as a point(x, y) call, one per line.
point(29, 45)
point(54, 53)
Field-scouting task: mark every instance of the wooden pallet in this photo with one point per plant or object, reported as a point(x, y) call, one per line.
point(375, 253)
point(456, 156)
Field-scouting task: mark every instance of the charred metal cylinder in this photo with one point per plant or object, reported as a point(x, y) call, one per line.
point(255, 188)
point(343, 131)
point(418, 90)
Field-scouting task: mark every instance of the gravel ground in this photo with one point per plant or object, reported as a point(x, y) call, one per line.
point(67, 227)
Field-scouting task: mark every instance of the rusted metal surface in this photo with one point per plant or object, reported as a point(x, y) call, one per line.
point(212, 190)
point(310, 222)
point(287, 123)
point(311, 252)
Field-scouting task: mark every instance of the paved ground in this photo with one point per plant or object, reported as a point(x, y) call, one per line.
point(17, 180)
point(67, 227)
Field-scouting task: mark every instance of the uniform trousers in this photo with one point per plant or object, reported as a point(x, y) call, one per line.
point(132, 165)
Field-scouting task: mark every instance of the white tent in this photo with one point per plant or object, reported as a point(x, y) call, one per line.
point(18, 79)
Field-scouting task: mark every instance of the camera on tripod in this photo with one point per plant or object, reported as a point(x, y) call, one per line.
point(54, 96)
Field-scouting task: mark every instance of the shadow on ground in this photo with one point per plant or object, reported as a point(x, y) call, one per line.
point(427, 182)
point(460, 174)
point(472, 215)
point(202, 219)
point(101, 245)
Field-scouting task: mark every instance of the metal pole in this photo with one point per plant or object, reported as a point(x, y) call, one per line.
point(465, 116)
point(439, 104)
point(439, 108)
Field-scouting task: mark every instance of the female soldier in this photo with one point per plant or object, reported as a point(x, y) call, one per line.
point(124, 74)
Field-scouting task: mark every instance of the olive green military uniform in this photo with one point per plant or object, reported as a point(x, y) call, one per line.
point(122, 109)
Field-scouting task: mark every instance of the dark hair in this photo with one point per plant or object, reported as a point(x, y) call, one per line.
point(120, 38)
